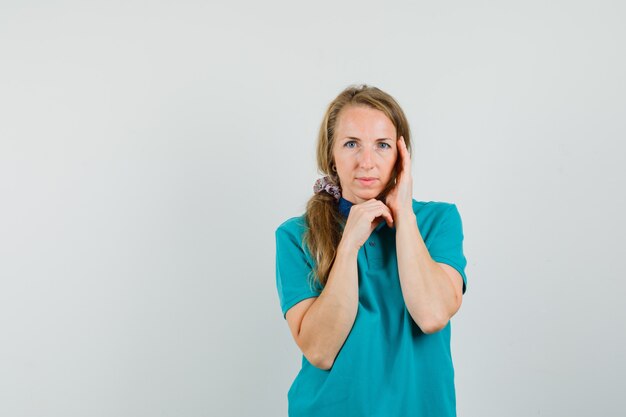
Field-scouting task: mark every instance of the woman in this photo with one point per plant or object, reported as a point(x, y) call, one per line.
point(368, 278)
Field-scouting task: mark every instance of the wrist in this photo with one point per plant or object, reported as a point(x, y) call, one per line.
point(405, 216)
point(346, 248)
point(401, 208)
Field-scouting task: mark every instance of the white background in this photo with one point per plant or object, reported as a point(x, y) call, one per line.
point(148, 151)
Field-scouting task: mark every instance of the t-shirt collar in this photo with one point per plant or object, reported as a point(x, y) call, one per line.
point(344, 206)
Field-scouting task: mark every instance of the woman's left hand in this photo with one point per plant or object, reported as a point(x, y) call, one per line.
point(400, 198)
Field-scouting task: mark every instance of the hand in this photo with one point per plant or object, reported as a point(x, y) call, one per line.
point(400, 198)
point(362, 220)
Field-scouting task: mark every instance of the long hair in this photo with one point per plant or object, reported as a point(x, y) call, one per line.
point(325, 223)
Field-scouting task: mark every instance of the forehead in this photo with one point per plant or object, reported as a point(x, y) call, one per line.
point(362, 122)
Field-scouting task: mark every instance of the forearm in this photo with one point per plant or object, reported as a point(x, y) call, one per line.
point(428, 292)
point(330, 318)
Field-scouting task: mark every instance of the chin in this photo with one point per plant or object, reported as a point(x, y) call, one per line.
point(368, 195)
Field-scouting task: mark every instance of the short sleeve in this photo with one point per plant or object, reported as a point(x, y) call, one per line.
point(447, 246)
point(293, 269)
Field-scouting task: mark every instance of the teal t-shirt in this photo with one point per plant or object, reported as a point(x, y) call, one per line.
point(387, 366)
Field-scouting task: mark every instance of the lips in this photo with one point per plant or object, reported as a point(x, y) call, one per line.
point(367, 180)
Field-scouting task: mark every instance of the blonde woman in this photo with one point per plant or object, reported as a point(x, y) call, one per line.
point(368, 278)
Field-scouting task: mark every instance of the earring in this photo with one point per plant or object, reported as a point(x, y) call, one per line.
point(334, 168)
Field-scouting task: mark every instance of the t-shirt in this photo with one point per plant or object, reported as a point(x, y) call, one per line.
point(387, 366)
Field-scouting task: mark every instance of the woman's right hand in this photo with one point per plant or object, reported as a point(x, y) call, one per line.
point(362, 220)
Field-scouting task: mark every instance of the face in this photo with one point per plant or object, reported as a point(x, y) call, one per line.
point(364, 151)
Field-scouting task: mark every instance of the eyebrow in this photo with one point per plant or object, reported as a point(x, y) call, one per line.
point(353, 138)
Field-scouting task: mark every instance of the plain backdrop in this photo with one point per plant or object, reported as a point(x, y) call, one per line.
point(149, 150)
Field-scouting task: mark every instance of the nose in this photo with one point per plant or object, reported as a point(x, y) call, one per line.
point(365, 160)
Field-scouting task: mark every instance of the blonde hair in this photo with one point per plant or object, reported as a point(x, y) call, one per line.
point(325, 223)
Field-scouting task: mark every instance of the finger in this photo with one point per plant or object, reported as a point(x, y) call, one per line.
point(406, 158)
point(404, 153)
point(401, 144)
point(401, 152)
point(375, 223)
point(404, 144)
point(385, 212)
point(374, 208)
point(389, 219)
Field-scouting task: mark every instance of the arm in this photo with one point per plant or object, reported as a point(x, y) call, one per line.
point(430, 294)
point(328, 321)
point(431, 291)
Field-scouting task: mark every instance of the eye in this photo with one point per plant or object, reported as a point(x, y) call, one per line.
point(385, 145)
point(348, 143)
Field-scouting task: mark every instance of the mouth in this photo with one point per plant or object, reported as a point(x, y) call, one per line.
point(367, 180)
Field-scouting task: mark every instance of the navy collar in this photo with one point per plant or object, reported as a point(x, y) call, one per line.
point(344, 206)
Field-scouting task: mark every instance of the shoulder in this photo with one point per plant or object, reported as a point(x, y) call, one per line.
point(290, 233)
point(432, 215)
point(293, 226)
point(290, 237)
point(435, 209)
